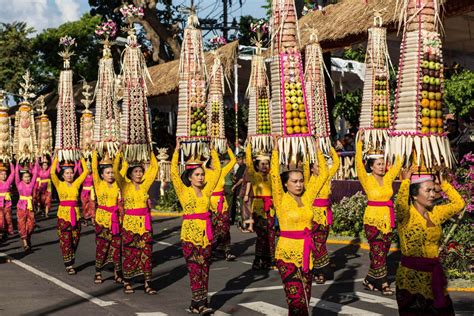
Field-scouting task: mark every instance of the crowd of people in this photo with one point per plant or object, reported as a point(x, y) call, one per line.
point(289, 210)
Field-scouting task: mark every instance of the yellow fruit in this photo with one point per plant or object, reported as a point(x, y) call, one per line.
point(439, 122)
point(304, 130)
point(289, 130)
point(289, 123)
point(425, 130)
point(297, 129)
point(302, 115)
point(433, 122)
point(433, 130)
point(296, 121)
point(433, 105)
point(376, 118)
point(288, 107)
point(439, 105)
point(301, 107)
point(425, 121)
point(440, 130)
point(425, 103)
point(303, 122)
point(289, 115)
point(296, 113)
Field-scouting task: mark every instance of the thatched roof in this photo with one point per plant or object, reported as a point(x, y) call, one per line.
point(346, 23)
point(165, 76)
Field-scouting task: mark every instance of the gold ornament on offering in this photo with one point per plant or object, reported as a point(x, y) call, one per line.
point(5, 132)
point(87, 123)
point(215, 107)
point(43, 129)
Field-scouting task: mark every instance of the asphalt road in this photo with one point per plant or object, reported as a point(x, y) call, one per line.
point(38, 284)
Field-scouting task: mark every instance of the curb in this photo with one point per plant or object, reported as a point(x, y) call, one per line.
point(155, 213)
point(460, 289)
point(363, 245)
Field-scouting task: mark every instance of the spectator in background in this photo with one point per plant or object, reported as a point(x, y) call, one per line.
point(237, 179)
point(348, 142)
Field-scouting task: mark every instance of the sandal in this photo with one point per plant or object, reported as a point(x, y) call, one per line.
point(386, 290)
point(149, 290)
point(368, 286)
point(118, 279)
point(204, 310)
point(320, 279)
point(98, 278)
point(229, 257)
point(71, 271)
point(127, 288)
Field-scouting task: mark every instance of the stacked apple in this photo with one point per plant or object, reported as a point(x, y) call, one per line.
point(380, 108)
point(431, 94)
point(215, 125)
point(198, 113)
point(263, 115)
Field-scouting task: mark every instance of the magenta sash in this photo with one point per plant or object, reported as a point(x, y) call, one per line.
point(267, 203)
point(327, 204)
point(308, 245)
point(388, 204)
point(141, 212)
point(220, 204)
point(438, 279)
point(115, 221)
point(205, 217)
point(72, 210)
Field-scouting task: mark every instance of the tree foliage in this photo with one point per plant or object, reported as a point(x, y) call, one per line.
point(348, 106)
point(15, 54)
point(459, 93)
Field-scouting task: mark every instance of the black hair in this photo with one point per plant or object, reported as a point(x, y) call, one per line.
point(208, 163)
point(130, 170)
point(61, 172)
point(102, 169)
point(285, 176)
point(187, 174)
point(26, 172)
point(256, 162)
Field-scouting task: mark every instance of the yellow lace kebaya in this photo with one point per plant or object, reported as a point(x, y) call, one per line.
point(219, 194)
point(293, 217)
point(133, 197)
point(261, 186)
point(320, 213)
point(377, 216)
point(194, 230)
point(108, 195)
point(68, 192)
point(419, 240)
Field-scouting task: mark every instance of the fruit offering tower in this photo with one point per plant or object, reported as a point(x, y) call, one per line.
point(44, 131)
point(135, 121)
point(316, 92)
point(5, 132)
point(290, 113)
point(24, 138)
point(87, 123)
point(215, 106)
point(418, 110)
point(258, 92)
point(375, 111)
point(192, 114)
point(107, 115)
point(66, 128)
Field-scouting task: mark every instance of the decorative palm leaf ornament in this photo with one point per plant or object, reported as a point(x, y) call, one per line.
point(87, 123)
point(44, 130)
point(5, 132)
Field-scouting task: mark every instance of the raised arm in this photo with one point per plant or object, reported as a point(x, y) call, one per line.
point(402, 205)
point(228, 167)
point(175, 176)
point(442, 213)
point(35, 172)
point(117, 172)
point(150, 174)
point(306, 172)
point(83, 175)
point(213, 178)
point(95, 168)
point(277, 187)
point(336, 162)
point(17, 175)
point(316, 183)
point(361, 172)
point(249, 162)
point(394, 170)
point(54, 176)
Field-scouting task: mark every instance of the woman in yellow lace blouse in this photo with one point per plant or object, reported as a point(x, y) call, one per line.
point(263, 213)
point(379, 217)
point(137, 232)
point(322, 219)
point(421, 284)
point(68, 226)
point(219, 208)
point(107, 226)
point(194, 190)
point(293, 206)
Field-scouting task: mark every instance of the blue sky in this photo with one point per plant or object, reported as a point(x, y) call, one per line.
point(42, 14)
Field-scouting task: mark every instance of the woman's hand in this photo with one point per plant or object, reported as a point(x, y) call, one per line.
point(406, 173)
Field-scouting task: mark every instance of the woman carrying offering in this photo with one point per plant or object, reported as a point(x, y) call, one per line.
point(25, 184)
point(88, 199)
point(421, 283)
point(43, 190)
point(379, 216)
point(107, 225)
point(294, 210)
point(137, 232)
point(68, 226)
point(194, 191)
point(6, 223)
point(219, 208)
point(322, 219)
point(262, 208)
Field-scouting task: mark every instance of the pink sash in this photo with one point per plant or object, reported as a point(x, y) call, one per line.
point(267, 203)
point(388, 204)
point(205, 217)
point(327, 204)
point(220, 205)
point(72, 210)
point(306, 235)
point(141, 212)
point(115, 221)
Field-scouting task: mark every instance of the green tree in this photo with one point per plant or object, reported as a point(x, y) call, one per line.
point(459, 93)
point(348, 106)
point(48, 64)
point(15, 54)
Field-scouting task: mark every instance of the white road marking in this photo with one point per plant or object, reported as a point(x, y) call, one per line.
point(245, 262)
point(60, 283)
point(166, 243)
point(370, 298)
point(266, 308)
point(219, 313)
point(151, 314)
point(277, 287)
point(338, 308)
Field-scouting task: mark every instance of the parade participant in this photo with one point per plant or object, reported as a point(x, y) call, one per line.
point(68, 226)
point(107, 225)
point(137, 232)
point(322, 219)
point(43, 190)
point(421, 283)
point(379, 217)
point(88, 199)
point(194, 191)
point(6, 223)
point(294, 210)
point(25, 184)
point(262, 208)
point(220, 213)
